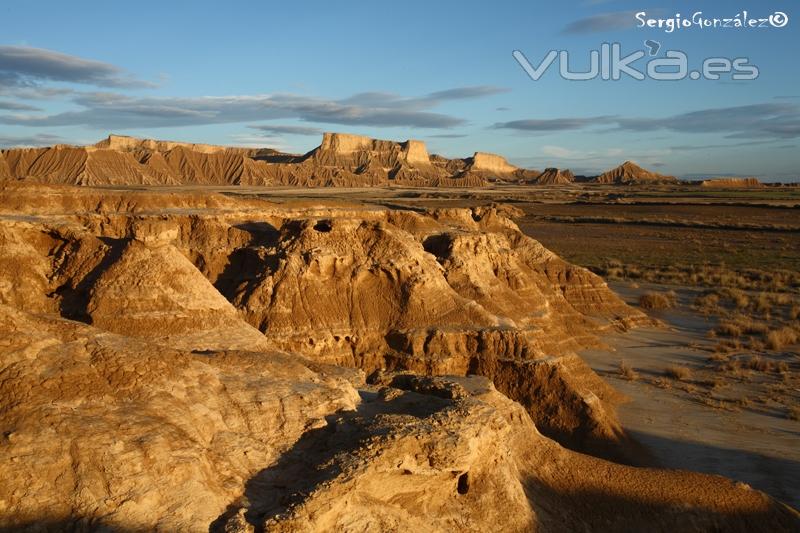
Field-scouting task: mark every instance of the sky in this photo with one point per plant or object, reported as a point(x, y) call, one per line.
point(278, 74)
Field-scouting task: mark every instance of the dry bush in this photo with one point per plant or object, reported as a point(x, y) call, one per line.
point(782, 367)
point(707, 303)
point(657, 300)
point(739, 298)
point(713, 384)
point(678, 372)
point(763, 304)
point(793, 412)
point(662, 383)
point(728, 346)
point(733, 368)
point(723, 347)
point(718, 357)
point(794, 312)
point(744, 401)
point(712, 402)
point(759, 363)
point(755, 344)
point(627, 372)
point(779, 338)
point(746, 324)
point(729, 329)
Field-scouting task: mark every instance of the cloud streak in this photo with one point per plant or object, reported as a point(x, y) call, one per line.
point(104, 110)
point(756, 121)
point(555, 124)
point(619, 20)
point(40, 139)
point(24, 66)
point(17, 106)
point(278, 129)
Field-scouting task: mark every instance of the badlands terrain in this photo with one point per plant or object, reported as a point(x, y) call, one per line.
point(194, 339)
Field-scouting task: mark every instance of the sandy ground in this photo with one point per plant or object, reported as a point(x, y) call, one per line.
point(760, 449)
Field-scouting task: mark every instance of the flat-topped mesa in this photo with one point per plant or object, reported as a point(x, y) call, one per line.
point(491, 163)
point(344, 144)
point(731, 182)
point(127, 144)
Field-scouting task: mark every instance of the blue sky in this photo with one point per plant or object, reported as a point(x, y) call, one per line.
point(278, 74)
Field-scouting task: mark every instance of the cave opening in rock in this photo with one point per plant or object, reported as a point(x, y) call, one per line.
point(323, 226)
point(463, 483)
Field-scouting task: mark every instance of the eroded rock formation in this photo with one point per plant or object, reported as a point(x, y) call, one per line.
point(341, 160)
point(555, 176)
point(629, 173)
point(731, 182)
point(178, 361)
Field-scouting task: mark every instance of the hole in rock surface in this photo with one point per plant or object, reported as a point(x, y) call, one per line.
point(323, 226)
point(463, 483)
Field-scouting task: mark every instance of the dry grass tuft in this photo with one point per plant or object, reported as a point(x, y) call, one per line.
point(707, 304)
point(718, 357)
point(793, 412)
point(658, 300)
point(780, 338)
point(680, 373)
point(759, 364)
point(729, 329)
point(627, 372)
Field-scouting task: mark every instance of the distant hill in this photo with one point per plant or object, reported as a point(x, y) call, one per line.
point(629, 173)
point(341, 160)
point(555, 176)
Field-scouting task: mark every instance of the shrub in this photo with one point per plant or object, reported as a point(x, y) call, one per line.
point(627, 372)
point(707, 303)
point(680, 373)
point(657, 300)
point(730, 329)
point(740, 298)
point(718, 358)
point(759, 363)
point(755, 344)
point(779, 338)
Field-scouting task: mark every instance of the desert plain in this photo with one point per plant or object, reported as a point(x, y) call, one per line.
point(371, 338)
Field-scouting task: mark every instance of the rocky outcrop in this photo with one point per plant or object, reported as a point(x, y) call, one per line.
point(555, 176)
point(454, 291)
point(341, 160)
point(102, 430)
point(138, 393)
point(629, 173)
point(493, 163)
